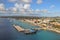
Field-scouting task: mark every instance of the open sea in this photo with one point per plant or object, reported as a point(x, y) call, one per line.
point(8, 32)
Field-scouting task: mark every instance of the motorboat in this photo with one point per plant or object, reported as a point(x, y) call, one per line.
point(30, 31)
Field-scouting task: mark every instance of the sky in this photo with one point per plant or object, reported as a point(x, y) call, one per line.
point(31, 7)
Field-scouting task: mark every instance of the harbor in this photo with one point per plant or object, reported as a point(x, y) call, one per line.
point(43, 26)
point(8, 32)
point(26, 31)
point(38, 26)
point(29, 19)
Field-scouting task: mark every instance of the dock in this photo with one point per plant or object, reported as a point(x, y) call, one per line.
point(26, 31)
point(18, 28)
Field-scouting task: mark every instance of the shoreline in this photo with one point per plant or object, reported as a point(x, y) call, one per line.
point(54, 30)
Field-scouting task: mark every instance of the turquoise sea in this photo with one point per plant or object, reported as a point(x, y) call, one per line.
point(8, 32)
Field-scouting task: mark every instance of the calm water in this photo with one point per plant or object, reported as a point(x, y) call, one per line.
point(8, 32)
point(24, 24)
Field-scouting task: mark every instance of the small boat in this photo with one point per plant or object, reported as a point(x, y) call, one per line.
point(30, 31)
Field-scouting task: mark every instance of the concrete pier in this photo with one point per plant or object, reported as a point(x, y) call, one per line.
point(18, 28)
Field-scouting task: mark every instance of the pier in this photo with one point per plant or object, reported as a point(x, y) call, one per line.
point(26, 31)
point(18, 28)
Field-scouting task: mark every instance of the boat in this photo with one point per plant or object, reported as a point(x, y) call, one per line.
point(30, 31)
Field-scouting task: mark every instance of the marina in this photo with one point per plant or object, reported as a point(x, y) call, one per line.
point(8, 32)
point(26, 31)
point(29, 19)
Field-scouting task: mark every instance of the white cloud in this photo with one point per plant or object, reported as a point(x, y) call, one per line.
point(21, 1)
point(21, 5)
point(14, 9)
point(26, 1)
point(27, 6)
point(37, 10)
point(18, 6)
point(2, 6)
point(22, 11)
point(30, 11)
point(39, 1)
point(44, 11)
point(52, 6)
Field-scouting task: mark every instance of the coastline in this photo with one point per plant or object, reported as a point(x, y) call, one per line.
point(54, 30)
point(51, 29)
point(30, 22)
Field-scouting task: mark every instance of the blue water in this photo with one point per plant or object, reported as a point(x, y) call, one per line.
point(8, 32)
point(24, 25)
